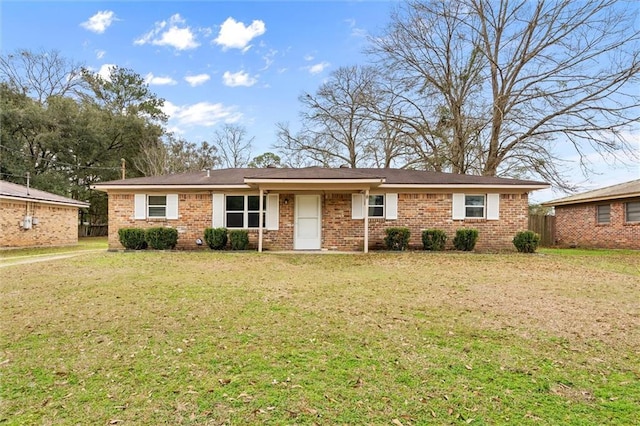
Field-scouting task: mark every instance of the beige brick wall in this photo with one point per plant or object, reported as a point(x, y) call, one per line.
point(57, 225)
point(576, 226)
point(417, 211)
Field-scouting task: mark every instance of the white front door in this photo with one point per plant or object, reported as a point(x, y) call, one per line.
point(307, 222)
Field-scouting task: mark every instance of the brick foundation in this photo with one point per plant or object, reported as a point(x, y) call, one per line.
point(576, 226)
point(417, 211)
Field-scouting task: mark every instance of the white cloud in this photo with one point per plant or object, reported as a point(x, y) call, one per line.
point(239, 78)
point(355, 31)
point(269, 58)
point(197, 80)
point(154, 80)
point(201, 114)
point(235, 35)
point(105, 71)
point(174, 33)
point(99, 22)
point(308, 57)
point(100, 54)
point(318, 68)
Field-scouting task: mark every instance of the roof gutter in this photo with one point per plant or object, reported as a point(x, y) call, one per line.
point(79, 204)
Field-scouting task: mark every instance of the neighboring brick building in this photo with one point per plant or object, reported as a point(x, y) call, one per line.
point(319, 208)
point(34, 218)
point(604, 218)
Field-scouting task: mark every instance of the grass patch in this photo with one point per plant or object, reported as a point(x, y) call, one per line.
point(86, 243)
point(246, 338)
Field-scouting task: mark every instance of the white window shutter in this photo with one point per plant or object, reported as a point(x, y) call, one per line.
point(457, 209)
point(357, 206)
point(140, 206)
point(273, 211)
point(172, 206)
point(391, 206)
point(218, 210)
point(493, 206)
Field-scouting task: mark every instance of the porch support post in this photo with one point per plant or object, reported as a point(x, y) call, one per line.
point(260, 220)
point(366, 221)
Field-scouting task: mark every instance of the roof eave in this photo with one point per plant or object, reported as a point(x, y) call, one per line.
point(459, 186)
point(79, 204)
point(106, 188)
point(564, 202)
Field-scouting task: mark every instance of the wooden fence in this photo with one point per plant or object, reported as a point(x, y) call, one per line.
point(92, 230)
point(545, 226)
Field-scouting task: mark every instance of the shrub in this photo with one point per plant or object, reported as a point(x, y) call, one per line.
point(397, 238)
point(434, 239)
point(132, 238)
point(239, 239)
point(526, 241)
point(465, 239)
point(216, 238)
point(162, 238)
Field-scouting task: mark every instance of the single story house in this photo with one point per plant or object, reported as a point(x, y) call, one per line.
point(603, 218)
point(33, 218)
point(318, 208)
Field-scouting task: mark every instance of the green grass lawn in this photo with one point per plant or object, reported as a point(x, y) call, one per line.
point(246, 338)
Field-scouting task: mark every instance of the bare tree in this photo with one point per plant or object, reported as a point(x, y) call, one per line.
point(40, 75)
point(174, 155)
point(337, 125)
point(511, 81)
point(233, 146)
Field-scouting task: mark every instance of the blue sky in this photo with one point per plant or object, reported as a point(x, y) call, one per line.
point(217, 62)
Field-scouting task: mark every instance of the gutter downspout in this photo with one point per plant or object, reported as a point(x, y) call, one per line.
point(260, 220)
point(366, 221)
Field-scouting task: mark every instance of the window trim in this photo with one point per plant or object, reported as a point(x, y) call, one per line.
point(383, 205)
point(598, 214)
point(484, 206)
point(626, 212)
point(246, 211)
point(149, 206)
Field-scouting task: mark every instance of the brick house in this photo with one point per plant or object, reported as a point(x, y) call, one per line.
point(320, 208)
point(33, 218)
point(604, 218)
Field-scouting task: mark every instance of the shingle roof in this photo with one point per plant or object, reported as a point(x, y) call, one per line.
point(629, 189)
point(15, 191)
point(221, 177)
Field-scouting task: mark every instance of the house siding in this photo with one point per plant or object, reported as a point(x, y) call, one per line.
point(56, 225)
point(576, 226)
point(417, 211)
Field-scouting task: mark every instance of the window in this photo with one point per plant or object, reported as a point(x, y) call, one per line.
point(474, 206)
point(376, 206)
point(632, 211)
point(603, 213)
point(243, 211)
point(157, 205)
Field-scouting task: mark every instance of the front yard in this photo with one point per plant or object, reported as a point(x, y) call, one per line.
point(385, 338)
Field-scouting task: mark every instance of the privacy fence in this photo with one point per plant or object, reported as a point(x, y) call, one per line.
point(545, 226)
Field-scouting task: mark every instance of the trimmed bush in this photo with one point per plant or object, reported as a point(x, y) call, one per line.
point(239, 239)
point(162, 238)
point(434, 239)
point(526, 241)
point(216, 238)
point(397, 239)
point(132, 238)
point(465, 239)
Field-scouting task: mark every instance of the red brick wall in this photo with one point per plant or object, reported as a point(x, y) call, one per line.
point(576, 226)
point(56, 225)
point(417, 211)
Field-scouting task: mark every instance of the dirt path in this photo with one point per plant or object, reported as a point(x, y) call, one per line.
point(21, 260)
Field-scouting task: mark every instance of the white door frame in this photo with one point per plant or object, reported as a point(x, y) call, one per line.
point(299, 242)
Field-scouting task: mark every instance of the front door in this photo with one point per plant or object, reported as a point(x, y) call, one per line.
point(307, 222)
